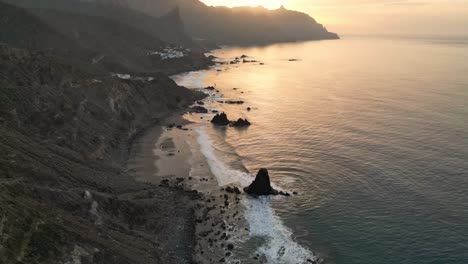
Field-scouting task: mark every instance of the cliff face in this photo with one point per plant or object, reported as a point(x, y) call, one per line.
point(64, 195)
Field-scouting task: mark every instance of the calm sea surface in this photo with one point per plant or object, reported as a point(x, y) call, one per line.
point(372, 133)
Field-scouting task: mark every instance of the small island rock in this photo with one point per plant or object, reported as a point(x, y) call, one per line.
point(220, 120)
point(261, 185)
point(240, 123)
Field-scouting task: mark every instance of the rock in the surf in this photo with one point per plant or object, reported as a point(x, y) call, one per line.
point(240, 123)
point(261, 185)
point(220, 120)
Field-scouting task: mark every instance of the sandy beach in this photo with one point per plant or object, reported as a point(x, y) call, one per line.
point(169, 155)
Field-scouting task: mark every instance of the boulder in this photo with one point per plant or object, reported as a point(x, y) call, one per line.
point(240, 123)
point(220, 120)
point(261, 185)
point(234, 189)
point(198, 109)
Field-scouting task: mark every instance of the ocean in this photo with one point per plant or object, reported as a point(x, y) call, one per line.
point(371, 132)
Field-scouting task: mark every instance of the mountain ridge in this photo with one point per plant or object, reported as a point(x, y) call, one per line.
point(238, 25)
point(208, 25)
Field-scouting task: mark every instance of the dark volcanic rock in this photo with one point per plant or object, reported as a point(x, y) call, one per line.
point(261, 185)
point(231, 189)
point(234, 102)
point(198, 109)
point(240, 123)
point(220, 120)
point(211, 88)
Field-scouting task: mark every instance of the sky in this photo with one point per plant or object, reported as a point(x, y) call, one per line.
point(401, 17)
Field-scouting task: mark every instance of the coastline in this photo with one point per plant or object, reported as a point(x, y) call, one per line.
point(171, 158)
point(179, 153)
point(259, 235)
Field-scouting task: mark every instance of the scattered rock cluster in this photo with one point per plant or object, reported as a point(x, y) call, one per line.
point(222, 120)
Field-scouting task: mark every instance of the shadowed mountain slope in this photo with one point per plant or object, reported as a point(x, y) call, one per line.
point(96, 44)
point(167, 27)
point(64, 193)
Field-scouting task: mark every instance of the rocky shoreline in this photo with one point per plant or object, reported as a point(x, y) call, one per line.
point(218, 220)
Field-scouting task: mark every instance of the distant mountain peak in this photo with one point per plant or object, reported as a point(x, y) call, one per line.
point(175, 12)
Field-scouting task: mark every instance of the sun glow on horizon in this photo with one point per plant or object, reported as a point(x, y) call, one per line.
point(447, 17)
point(270, 4)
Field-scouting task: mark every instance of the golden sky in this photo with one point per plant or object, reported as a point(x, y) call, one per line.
point(376, 16)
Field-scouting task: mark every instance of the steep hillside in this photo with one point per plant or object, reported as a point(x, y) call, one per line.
point(167, 27)
point(64, 196)
point(21, 29)
point(96, 44)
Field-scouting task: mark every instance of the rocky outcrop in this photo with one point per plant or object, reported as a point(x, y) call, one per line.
point(261, 185)
point(240, 123)
point(220, 120)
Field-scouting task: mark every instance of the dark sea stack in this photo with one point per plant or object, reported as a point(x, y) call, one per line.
point(220, 120)
point(261, 185)
point(241, 123)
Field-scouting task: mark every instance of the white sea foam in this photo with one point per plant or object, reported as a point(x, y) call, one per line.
point(263, 222)
point(192, 79)
point(224, 175)
point(280, 247)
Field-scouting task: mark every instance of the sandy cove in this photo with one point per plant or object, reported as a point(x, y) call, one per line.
point(169, 156)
